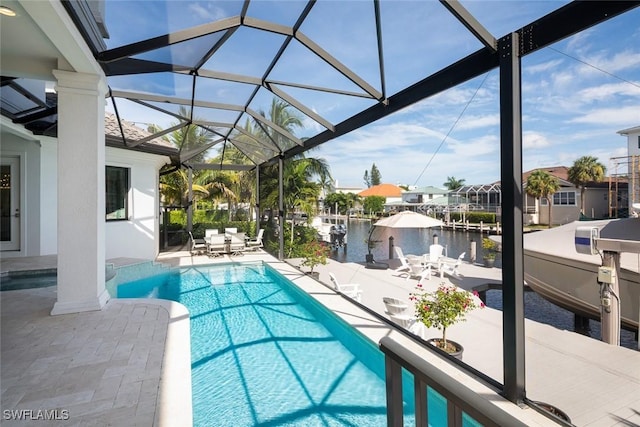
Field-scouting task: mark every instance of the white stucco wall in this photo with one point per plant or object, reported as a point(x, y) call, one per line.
point(137, 237)
point(633, 143)
point(48, 196)
point(28, 151)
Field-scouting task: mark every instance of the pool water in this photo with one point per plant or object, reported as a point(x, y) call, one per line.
point(265, 353)
point(28, 280)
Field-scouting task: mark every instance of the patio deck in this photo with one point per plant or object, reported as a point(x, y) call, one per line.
point(112, 366)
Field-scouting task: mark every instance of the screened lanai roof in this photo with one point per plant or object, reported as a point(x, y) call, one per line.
point(218, 68)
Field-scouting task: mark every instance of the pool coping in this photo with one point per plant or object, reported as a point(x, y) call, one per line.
point(174, 404)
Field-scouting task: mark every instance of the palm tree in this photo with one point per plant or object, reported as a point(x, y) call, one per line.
point(281, 115)
point(453, 184)
point(174, 188)
point(586, 169)
point(190, 137)
point(541, 184)
point(219, 185)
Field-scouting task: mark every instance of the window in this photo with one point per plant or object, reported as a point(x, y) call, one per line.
point(117, 193)
point(565, 198)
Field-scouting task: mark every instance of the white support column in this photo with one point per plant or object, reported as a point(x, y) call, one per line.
point(81, 193)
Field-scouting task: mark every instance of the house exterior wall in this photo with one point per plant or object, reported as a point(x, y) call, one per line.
point(49, 197)
point(596, 202)
point(136, 237)
point(29, 152)
point(633, 142)
point(139, 235)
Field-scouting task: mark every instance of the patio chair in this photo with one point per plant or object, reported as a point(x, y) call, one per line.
point(394, 305)
point(231, 230)
point(210, 232)
point(405, 267)
point(451, 269)
point(198, 246)
point(237, 245)
point(217, 245)
point(403, 320)
point(435, 253)
point(431, 260)
point(255, 244)
point(352, 290)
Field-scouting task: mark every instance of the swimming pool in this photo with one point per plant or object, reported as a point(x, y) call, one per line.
point(265, 353)
point(30, 279)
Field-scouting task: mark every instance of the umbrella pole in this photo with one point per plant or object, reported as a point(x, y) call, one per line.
point(369, 243)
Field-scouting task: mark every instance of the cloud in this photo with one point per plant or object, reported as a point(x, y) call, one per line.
point(534, 140)
point(210, 13)
point(476, 122)
point(620, 116)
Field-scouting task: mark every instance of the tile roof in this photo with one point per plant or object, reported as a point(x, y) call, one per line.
point(131, 131)
point(384, 190)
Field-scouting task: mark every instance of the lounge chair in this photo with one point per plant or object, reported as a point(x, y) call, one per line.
point(256, 243)
point(216, 245)
point(405, 267)
point(198, 246)
point(394, 305)
point(449, 268)
point(352, 290)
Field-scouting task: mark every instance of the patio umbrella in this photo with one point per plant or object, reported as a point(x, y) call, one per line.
point(409, 219)
point(404, 219)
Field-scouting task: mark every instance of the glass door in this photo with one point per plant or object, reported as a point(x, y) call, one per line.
point(10, 204)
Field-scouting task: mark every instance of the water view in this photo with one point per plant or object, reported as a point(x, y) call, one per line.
point(414, 241)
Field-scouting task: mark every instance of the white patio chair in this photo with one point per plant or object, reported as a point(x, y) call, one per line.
point(256, 243)
point(431, 260)
point(237, 245)
point(394, 305)
point(198, 246)
point(216, 245)
point(403, 320)
point(352, 290)
point(210, 232)
point(405, 267)
point(450, 269)
point(231, 230)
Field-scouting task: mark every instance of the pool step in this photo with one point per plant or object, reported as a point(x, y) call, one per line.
point(132, 272)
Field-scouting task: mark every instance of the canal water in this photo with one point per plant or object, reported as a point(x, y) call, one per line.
point(417, 241)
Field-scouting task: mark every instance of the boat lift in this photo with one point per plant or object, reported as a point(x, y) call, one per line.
point(588, 241)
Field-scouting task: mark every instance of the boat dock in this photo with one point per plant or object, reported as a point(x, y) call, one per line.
point(594, 383)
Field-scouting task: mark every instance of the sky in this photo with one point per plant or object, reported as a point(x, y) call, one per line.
point(576, 94)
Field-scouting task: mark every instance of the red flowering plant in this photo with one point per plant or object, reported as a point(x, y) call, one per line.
point(443, 307)
point(314, 253)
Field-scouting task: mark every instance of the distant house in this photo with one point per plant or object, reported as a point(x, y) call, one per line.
point(630, 165)
point(417, 199)
point(392, 193)
point(566, 201)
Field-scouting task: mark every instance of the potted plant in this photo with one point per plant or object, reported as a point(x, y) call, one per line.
point(442, 308)
point(314, 253)
point(489, 249)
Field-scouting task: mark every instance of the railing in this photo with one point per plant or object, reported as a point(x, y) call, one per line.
point(463, 402)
